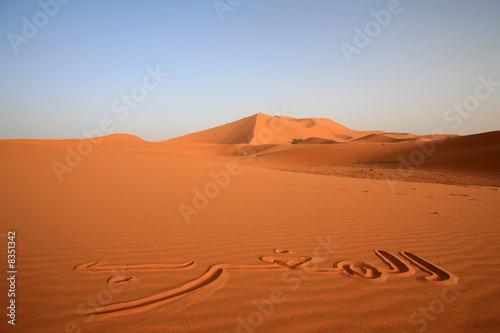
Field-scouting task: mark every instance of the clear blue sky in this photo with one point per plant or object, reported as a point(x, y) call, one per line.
point(263, 55)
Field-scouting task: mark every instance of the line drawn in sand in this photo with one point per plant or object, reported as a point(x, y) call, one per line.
point(215, 274)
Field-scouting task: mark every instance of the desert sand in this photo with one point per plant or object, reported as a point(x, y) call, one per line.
point(237, 229)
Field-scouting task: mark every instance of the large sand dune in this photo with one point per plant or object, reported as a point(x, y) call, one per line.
point(253, 130)
point(211, 232)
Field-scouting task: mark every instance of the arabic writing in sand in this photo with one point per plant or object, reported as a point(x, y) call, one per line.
point(354, 269)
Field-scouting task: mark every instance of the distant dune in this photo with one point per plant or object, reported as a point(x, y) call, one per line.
point(122, 138)
point(109, 139)
point(256, 129)
point(388, 137)
point(318, 142)
point(323, 142)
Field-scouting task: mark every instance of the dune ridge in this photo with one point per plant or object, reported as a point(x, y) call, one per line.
point(283, 128)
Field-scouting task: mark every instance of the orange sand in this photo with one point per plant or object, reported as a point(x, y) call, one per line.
point(211, 232)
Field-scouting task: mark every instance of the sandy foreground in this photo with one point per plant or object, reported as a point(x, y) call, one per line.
point(225, 231)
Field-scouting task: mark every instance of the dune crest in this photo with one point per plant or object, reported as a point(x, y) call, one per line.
point(263, 129)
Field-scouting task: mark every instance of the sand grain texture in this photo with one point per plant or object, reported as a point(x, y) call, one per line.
point(108, 249)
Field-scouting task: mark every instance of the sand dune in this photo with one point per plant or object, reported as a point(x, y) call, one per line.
point(481, 151)
point(210, 232)
point(478, 152)
point(387, 137)
point(264, 129)
point(121, 138)
point(315, 140)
